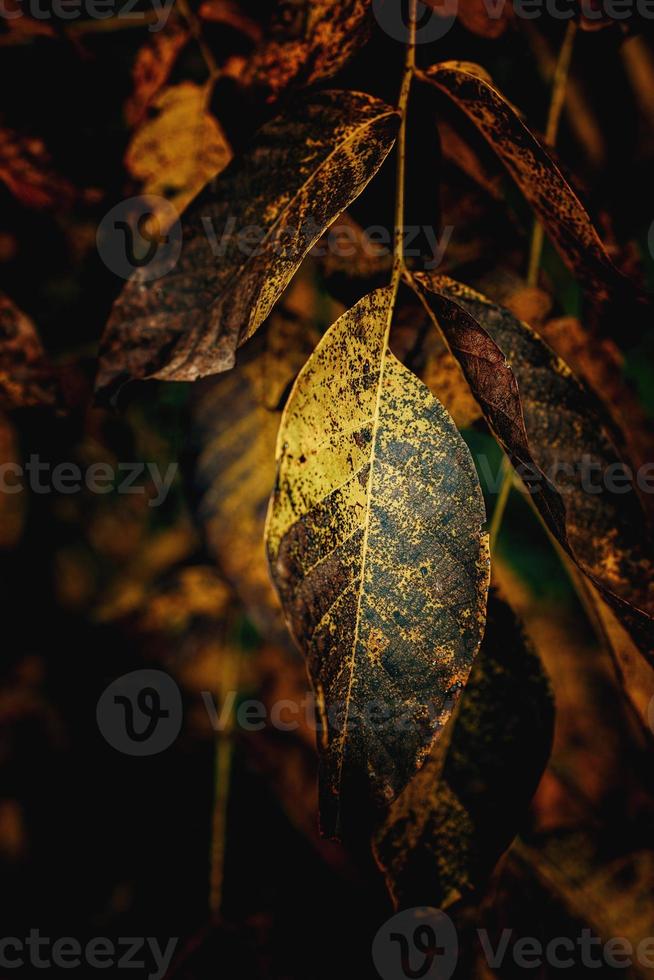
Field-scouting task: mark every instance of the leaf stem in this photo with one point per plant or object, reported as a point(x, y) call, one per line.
point(502, 499)
point(223, 756)
point(403, 102)
point(557, 101)
point(195, 28)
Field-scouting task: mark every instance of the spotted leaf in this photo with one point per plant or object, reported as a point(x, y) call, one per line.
point(375, 542)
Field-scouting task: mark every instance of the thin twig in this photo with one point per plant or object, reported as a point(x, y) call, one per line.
point(557, 101)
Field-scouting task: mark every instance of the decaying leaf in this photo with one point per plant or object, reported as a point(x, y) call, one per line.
point(310, 40)
point(564, 217)
point(235, 421)
point(26, 377)
point(244, 238)
point(443, 835)
point(478, 17)
point(177, 151)
point(375, 542)
point(555, 434)
point(26, 169)
point(152, 67)
point(230, 13)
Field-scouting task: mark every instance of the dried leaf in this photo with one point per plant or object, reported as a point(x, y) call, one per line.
point(551, 428)
point(442, 837)
point(376, 549)
point(564, 217)
point(175, 153)
point(229, 13)
point(235, 422)
point(480, 17)
point(26, 377)
point(152, 67)
point(26, 169)
point(262, 217)
point(311, 40)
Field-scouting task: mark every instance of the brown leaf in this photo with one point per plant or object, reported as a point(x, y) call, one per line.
point(175, 153)
point(311, 40)
point(376, 548)
point(477, 16)
point(26, 377)
point(228, 12)
point(152, 67)
point(26, 169)
point(235, 421)
point(564, 217)
point(442, 837)
point(262, 216)
point(548, 423)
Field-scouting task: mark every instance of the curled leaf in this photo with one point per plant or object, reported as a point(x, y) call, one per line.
point(442, 837)
point(557, 437)
point(375, 542)
point(244, 238)
point(564, 217)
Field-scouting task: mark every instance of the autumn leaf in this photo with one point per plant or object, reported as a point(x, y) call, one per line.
point(564, 217)
point(477, 16)
point(310, 40)
point(175, 153)
point(375, 542)
point(152, 67)
point(244, 238)
point(442, 837)
point(235, 419)
point(229, 13)
point(551, 426)
point(26, 377)
point(26, 169)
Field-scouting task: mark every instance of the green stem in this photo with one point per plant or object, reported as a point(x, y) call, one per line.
point(557, 101)
point(502, 499)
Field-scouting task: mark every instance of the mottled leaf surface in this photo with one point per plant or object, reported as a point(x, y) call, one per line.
point(443, 835)
point(175, 153)
point(235, 419)
point(375, 543)
point(26, 377)
point(245, 236)
point(564, 217)
point(309, 40)
point(553, 430)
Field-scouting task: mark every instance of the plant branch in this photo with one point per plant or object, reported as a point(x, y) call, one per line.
point(195, 28)
point(403, 102)
point(557, 101)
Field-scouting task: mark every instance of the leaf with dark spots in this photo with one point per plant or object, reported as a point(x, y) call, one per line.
point(26, 377)
point(375, 542)
point(442, 837)
point(564, 217)
point(244, 237)
point(559, 439)
point(310, 40)
point(153, 64)
point(235, 418)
